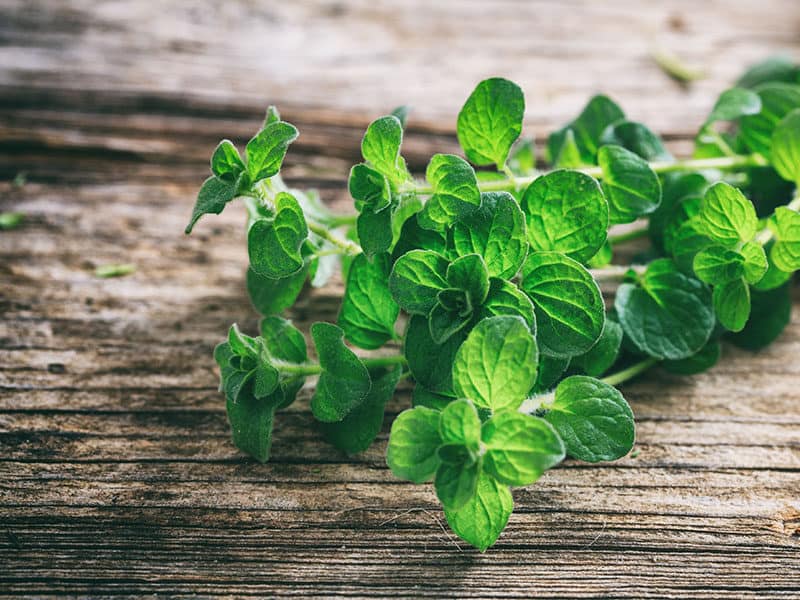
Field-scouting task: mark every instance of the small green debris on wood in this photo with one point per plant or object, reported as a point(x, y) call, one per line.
point(11, 220)
point(635, 453)
point(20, 179)
point(676, 68)
point(119, 270)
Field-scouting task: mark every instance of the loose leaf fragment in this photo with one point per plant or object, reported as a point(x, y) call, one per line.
point(490, 121)
point(344, 382)
point(368, 310)
point(566, 212)
point(274, 244)
point(631, 186)
point(592, 418)
point(496, 365)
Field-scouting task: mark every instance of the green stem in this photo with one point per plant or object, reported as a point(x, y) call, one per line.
point(615, 273)
point(628, 236)
point(308, 369)
point(765, 235)
point(340, 220)
point(325, 233)
point(629, 373)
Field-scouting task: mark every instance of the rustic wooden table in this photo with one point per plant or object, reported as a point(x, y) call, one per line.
point(117, 476)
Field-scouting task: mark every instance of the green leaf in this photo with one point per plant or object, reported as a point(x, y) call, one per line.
point(631, 186)
point(212, 198)
point(522, 160)
point(455, 192)
point(519, 448)
point(490, 121)
point(733, 104)
point(588, 128)
point(267, 149)
point(785, 252)
point(381, 147)
point(422, 397)
point(459, 423)
point(369, 188)
point(114, 270)
point(567, 213)
point(786, 147)
point(603, 354)
point(226, 162)
point(727, 216)
point(732, 304)
point(374, 231)
point(666, 315)
point(496, 231)
point(505, 298)
point(569, 307)
point(637, 138)
point(241, 344)
point(430, 363)
point(11, 220)
point(755, 262)
point(550, 371)
point(251, 422)
point(681, 194)
point(274, 244)
point(496, 365)
point(368, 310)
point(356, 432)
point(716, 265)
point(700, 361)
point(283, 340)
point(416, 279)
point(592, 418)
point(481, 520)
point(469, 273)
point(685, 243)
point(401, 114)
point(414, 237)
point(769, 315)
point(271, 296)
point(344, 382)
point(569, 155)
point(777, 100)
point(456, 482)
point(774, 68)
point(413, 443)
point(774, 277)
point(444, 323)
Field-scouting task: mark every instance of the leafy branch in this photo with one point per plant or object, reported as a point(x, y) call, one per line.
point(493, 275)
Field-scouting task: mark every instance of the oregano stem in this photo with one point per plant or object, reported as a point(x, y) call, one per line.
point(628, 236)
point(325, 233)
point(629, 373)
point(308, 369)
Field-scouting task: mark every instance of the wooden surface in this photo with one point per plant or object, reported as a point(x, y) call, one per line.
point(117, 476)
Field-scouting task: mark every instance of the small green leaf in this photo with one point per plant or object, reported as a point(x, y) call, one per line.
point(251, 422)
point(566, 212)
point(469, 273)
point(270, 296)
point(459, 423)
point(667, 315)
point(414, 237)
point(774, 277)
point(786, 147)
point(430, 363)
point(11, 220)
point(716, 265)
point(732, 304)
point(769, 315)
point(369, 187)
point(212, 198)
point(356, 432)
point(592, 418)
point(733, 104)
point(490, 121)
point(700, 361)
point(413, 443)
point(685, 243)
point(785, 252)
point(381, 147)
point(368, 310)
point(455, 192)
point(226, 162)
point(777, 100)
point(496, 231)
point(726, 215)
point(773, 68)
point(374, 231)
point(267, 149)
point(456, 482)
point(588, 128)
point(519, 448)
point(637, 138)
point(241, 344)
point(444, 323)
point(481, 520)
point(631, 186)
point(274, 244)
point(344, 382)
point(755, 262)
point(522, 159)
point(569, 155)
point(422, 397)
point(496, 365)
point(114, 270)
point(283, 340)
point(272, 115)
point(401, 113)
point(550, 371)
point(603, 354)
point(569, 307)
point(505, 298)
point(416, 279)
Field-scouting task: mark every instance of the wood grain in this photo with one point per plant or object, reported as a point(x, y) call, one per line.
point(117, 475)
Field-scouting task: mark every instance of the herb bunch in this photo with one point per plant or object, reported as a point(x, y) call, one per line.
point(488, 281)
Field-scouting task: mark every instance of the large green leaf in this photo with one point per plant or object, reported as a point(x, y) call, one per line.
point(416, 280)
point(666, 315)
point(496, 366)
point(631, 187)
point(727, 216)
point(369, 188)
point(496, 231)
point(481, 520)
point(368, 310)
point(566, 212)
point(490, 121)
point(569, 307)
point(592, 418)
point(413, 444)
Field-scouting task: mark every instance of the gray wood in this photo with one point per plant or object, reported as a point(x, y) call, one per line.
point(117, 476)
